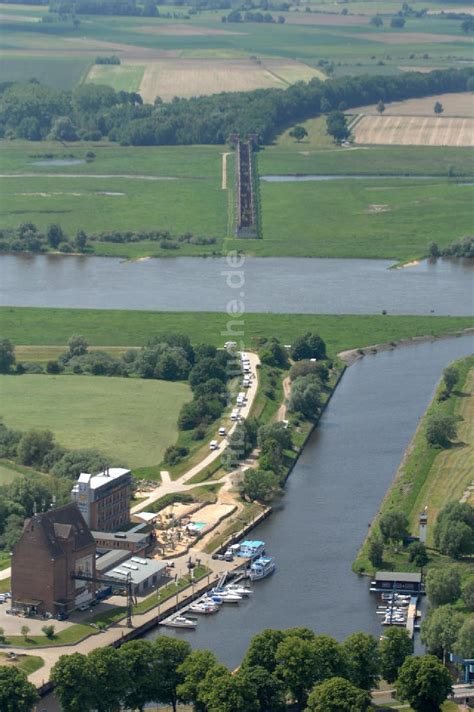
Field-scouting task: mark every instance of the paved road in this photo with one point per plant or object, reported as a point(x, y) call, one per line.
point(168, 486)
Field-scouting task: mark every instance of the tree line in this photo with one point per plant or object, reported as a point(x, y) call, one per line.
point(311, 672)
point(27, 237)
point(90, 112)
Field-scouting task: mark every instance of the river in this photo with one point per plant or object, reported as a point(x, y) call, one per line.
point(281, 285)
point(331, 497)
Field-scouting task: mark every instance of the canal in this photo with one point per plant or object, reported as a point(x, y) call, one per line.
point(331, 497)
point(280, 285)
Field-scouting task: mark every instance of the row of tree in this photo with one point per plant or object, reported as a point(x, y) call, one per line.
point(33, 111)
point(295, 666)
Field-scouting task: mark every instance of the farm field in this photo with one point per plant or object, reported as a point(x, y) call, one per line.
point(456, 105)
point(414, 131)
point(308, 39)
point(167, 78)
point(317, 154)
point(101, 327)
point(132, 421)
point(362, 218)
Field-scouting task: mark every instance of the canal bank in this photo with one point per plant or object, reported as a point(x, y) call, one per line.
point(332, 496)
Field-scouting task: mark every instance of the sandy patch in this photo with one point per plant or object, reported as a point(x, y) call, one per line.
point(5, 17)
point(324, 19)
point(422, 70)
point(415, 131)
point(378, 209)
point(457, 105)
point(182, 30)
point(401, 38)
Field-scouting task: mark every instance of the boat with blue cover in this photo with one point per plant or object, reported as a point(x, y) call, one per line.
point(262, 567)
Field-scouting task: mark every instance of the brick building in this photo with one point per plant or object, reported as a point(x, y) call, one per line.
point(53, 546)
point(104, 499)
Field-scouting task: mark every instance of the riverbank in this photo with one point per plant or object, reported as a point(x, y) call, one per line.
point(31, 326)
point(431, 477)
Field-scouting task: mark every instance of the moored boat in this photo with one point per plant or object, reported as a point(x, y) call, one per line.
point(180, 621)
point(262, 567)
point(203, 607)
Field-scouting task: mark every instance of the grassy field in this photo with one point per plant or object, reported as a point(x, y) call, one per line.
point(27, 663)
point(429, 476)
point(132, 421)
point(317, 154)
point(33, 326)
point(95, 204)
point(361, 218)
point(121, 189)
point(124, 77)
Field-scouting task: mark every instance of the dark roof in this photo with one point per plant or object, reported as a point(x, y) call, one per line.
point(134, 537)
point(398, 576)
point(62, 524)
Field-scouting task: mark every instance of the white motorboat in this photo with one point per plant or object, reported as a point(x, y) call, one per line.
point(262, 567)
point(239, 589)
point(203, 607)
point(180, 621)
point(227, 596)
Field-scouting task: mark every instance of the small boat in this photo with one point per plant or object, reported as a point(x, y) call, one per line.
point(180, 621)
point(203, 608)
point(239, 589)
point(262, 567)
point(210, 598)
point(227, 596)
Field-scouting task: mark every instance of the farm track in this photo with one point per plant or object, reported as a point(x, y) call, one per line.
point(86, 175)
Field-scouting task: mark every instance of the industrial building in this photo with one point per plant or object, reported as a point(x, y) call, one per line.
point(134, 542)
point(104, 499)
point(54, 546)
point(144, 574)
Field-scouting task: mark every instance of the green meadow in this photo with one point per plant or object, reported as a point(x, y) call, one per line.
point(101, 327)
point(363, 218)
point(132, 421)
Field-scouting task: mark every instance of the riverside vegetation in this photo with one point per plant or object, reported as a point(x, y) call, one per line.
point(435, 473)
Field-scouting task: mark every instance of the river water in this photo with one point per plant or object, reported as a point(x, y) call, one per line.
point(281, 285)
point(331, 497)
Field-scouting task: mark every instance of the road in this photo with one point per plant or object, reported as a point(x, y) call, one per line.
point(180, 485)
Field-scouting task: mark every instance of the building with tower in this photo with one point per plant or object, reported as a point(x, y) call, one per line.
point(104, 499)
point(53, 546)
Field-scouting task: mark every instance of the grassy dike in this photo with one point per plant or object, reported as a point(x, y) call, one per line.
point(429, 476)
point(32, 326)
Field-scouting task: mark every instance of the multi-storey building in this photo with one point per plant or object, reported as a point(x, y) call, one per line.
point(104, 499)
point(53, 548)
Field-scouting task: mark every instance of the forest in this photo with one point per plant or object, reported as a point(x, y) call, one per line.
point(90, 112)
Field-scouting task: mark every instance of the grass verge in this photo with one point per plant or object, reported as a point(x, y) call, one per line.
point(430, 476)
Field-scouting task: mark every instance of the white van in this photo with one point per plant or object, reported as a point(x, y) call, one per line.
point(222, 432)
point(243, 356)
point(235, 414)
point(213, 445)
point(246, 383)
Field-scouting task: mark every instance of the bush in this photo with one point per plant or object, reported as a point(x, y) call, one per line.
point(440, 430)
point(54, 367)
point(175, 454)
point(49, 631)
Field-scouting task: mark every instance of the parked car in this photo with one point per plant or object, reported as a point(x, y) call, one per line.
point(222, 432)
point(213, 445)
point(83, 607)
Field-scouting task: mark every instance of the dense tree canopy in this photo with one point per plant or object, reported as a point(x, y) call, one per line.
point(29, 110)
point(16, 693)
point(424, 682)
